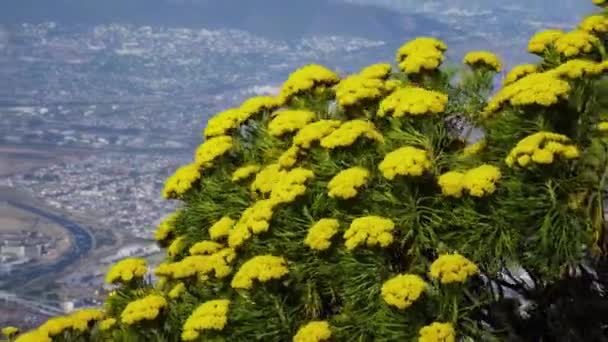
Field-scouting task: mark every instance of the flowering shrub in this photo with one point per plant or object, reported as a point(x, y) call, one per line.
point(378, 219)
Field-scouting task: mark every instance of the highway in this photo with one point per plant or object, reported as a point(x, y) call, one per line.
point(49, 309)
point(82, 245)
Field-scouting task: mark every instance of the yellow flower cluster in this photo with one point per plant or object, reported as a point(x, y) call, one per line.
point(127, 270)
point(34, 336)
point(437, 332)
point(575, 43)
point(543, 40)
point(181, 181)
point(320, 234)
point(479, 181)
point(602, 126)
point(221, 228)
point(266, 178)
point(474, 149)
point(289, 158)
point(518, 72)
point(199, 265)
point(347, 182)
point(107, 324)
point(369, 230)
point(290, 186)
point(541, 148)
point(9, 331)
point(262, 268)
point(315, 331)
point(288, 121)
point(165, 227)
point(594, 24)
point(211, 315)
point(543, 89)
point(177, 290)
point(254, 220)
point(413, 101)
point(483, 59)
point(306, 78)
point(453, 268)
point(349, 132)
point(378, 71)
point(315, 132)
point(405, 161)
point(420, 54)
point(600, 2)
point(356, 89)
point(211, 149)
point(244, 172)
point(205, 248)
point(77, 321)
point(579, 68)
point(147, 308)
point(176, 247)
point(224, 122)
point(403, 290)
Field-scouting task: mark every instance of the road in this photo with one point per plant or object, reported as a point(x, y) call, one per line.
point(82, 245)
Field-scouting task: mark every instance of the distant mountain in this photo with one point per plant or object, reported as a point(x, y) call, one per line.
point(279, 19)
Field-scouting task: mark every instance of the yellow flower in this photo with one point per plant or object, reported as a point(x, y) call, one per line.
point(405, 161)
point(349, 132)
point(425, 60)
point(600, 2)
point(289, 121)
point(437, 332)
point(543, 89)
point(603, 126)
point(483, 58)
point(34, 336)
point(518, 72)
point(474, 148)
point(127, 270)
point(320, 234)
point(392, 85)
point(10, 331)
point(413, 101)
point(205, 248)
point(594, 24)
point(181, 181)
point(147, 308)
point(403, 290)
point(107, 324)
point(369, 230)
point(315, 331)
point(377, 71)
point(165, 228)
point(256, 105)
point(255, 219)
point(529, 149)
point(453, 268)
point(211, 149)
point(262, 268)
point(223, 123)
point(289, 158)
point(221, 228)
point(577, 68)
point(176, 247)
point(199, 265)
point(575, 43)
point(290, 185)
point(347, 182)
point(177, 291)
point(266, 178)
point(356, 89)
point(315, 131)
point(451, 183)
point(244, 172)
point(77, 321)
point(305, 79)
point(418, 44)
point(481, 181)
point(211, 315)
point(542, 40)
